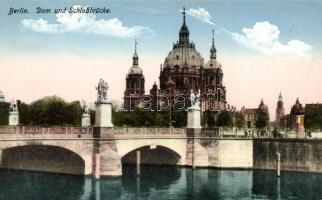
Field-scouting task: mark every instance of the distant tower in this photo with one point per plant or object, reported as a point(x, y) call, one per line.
point(297, 117)
point(279, 113)
point(212, 81)
point(134, 84)
point(263, 107)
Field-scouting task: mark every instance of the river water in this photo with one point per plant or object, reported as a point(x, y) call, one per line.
point(162, 183)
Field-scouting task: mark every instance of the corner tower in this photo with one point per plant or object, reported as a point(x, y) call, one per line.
point(213, 81)
point(134, 84)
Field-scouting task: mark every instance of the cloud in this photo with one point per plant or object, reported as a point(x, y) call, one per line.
point(82, 22)
point(201, 14)
point(264, 37)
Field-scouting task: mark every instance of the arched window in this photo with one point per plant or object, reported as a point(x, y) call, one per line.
point(211, 80)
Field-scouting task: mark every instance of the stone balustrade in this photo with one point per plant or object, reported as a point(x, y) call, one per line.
point(44, 130)
point(149, 131)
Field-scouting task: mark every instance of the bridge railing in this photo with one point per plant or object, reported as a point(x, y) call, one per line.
point(44, 130)
point(148, 131)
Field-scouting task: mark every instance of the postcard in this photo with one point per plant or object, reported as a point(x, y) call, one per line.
point(138, 99)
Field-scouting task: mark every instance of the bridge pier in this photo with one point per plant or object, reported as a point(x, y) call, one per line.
point(97, 169)
point(197, 155)
point(191, 134)
point(108, 160)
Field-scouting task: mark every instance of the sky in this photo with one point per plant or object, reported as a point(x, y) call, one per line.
point(265, 47)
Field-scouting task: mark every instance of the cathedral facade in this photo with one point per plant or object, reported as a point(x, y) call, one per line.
point(183, 71)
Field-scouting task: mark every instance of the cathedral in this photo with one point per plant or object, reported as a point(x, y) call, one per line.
point(183, 71)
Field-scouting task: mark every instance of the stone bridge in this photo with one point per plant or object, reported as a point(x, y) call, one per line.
point(103, 151)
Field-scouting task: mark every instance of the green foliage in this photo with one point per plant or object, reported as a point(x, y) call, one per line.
point(4, 113)
point(262, 119)
point(224, 119)
point(141, 118)
point(74, 113)
point(209, 119)
point(239, 120)
point(313, 119)
point(24, 113)
point(179, 118)
point(50, 111)
point(92, 116)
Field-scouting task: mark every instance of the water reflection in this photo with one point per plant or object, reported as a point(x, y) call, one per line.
point(163, 183)
point(35, 185)
point(295, 185)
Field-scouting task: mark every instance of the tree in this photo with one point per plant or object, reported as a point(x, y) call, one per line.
point(54, 110)
point(262, 119)
point(74, 113)
point(224, 119)
point(313, 119)
point(4, 113)
point(56, 114)
point(208, 119)
point(239, 120)
point(179, 118)
point(24, 112)
point(92, 115)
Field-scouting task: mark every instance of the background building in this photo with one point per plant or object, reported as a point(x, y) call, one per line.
point(250, 114)
point(183, 70)
point(296, 121)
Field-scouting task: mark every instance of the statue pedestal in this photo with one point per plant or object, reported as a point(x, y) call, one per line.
point(13, 118)
point(103, 115)
point(86, 120)
point(193, 120)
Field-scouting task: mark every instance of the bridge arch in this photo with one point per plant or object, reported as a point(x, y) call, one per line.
point(177, 148)
point(153, 155)
point(68, 150)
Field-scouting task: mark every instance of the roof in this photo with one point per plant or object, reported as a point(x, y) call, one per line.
point(250, 110)
point(135, 70)
point(313, 106)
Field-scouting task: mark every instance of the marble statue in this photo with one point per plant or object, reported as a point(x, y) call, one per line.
point(13, 113)
point(194, 111)
point(195, 99)
point(103, 109)
point(86, 118)
point(13, 107)
point(102, 92)
point(85, 108)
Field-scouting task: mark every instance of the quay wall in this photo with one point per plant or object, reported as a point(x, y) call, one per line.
point(296, 154)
